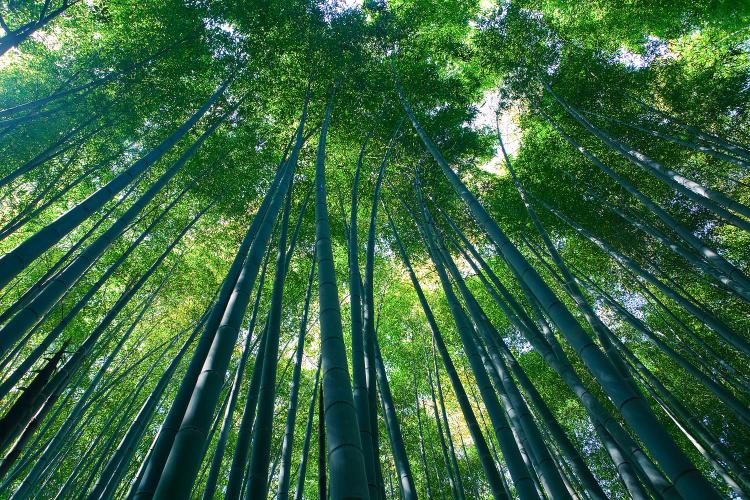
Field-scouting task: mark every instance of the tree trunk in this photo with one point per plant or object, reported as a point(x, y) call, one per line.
point(452, 465)
point(719, 391)
point(346, 460)
point(18, 259)
point(116, 467)
point(183, 462)
point(288, 441)
point(54, 446)
point(544, 467)
point(300, 489)
point(237, 471)
point(493, 476)
point(359, 371)
point(558, 361)
point(18, 416)
point(400, 458)
point(51, 293)
point(15, 37)
point(368, 315)
point(688, 480)
point(712, 200)
point(209, 488)
point(732, 276)
point(322, 489)
point(60, 146)
point(709, 150)
point(150, 473)
point(53, 335)
point(258, 479)
point(29, 294)
point(519, 473)
point(704, 316)
point(427, 479)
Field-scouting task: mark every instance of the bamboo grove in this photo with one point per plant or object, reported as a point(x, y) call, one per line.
point(379, 249)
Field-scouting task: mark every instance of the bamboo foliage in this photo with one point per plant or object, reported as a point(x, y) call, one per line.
point(553, 305)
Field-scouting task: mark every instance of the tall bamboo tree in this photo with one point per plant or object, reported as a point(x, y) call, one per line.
point(345, 457)
point(688, 480)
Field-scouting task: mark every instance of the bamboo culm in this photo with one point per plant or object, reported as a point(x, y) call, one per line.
point(54, 290)
point(491, 471)
point(261, 447)
point(401, 459)
point(688, 480)
point(346, 464)
point(182, 461)
point(732, 276)
point(148, 476)
point(359, 371)
point(300, 489)
point(18, 259)
point(288, 441)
